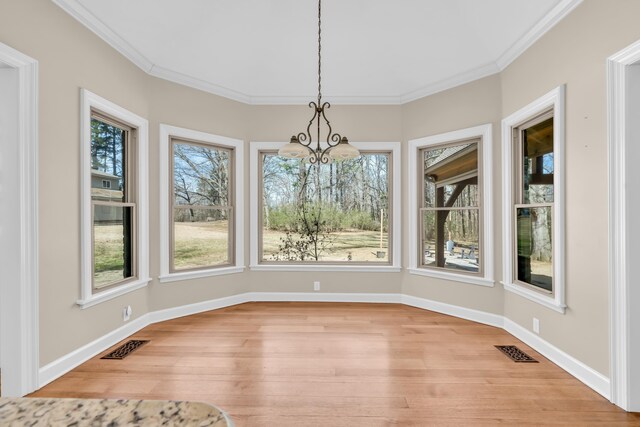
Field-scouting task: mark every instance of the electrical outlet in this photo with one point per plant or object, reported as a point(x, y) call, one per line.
point(536, 325)
point(316, 286)
point(126, 313)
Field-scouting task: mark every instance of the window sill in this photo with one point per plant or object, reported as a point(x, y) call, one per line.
point(112, 293)
point(535, 297)
point(176, 277)
point(480, 281)
point(327, 267)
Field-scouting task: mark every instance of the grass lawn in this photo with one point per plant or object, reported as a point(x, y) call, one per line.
point(108, 255)
point(198, 244)
point(201, 244)
point(362, 245)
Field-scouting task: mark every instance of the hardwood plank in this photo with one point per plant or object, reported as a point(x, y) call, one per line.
point(318, 364)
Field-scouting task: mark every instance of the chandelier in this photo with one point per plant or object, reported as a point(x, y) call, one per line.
point(337, 147)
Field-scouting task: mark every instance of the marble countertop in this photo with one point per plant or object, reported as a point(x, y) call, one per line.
point(38, 412)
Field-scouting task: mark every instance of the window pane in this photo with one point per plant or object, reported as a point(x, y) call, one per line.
point(461, 195)
point(451, 175)
point(534, 264)
point(429, 237)
point(538, 163)
point(201, 237)
point(450, 239)
point(201, 175)
point(112, 244)
point(429, 193)
point(336, 213)
point(107, 161)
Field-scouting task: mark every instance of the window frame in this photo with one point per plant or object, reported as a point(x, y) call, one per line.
point(482, 134)
point(129, 148)
point(394, 150)
point(236, 248)
point(478, 174)
point(519, 194)
point(92, 104)
point(553, 101)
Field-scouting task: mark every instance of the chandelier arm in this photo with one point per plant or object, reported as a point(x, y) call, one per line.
point(302, 137)
point(335, 137)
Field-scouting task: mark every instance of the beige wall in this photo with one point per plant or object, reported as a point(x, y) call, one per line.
point(472, 104)
point(574, 53)
point(71, 57)
point(177, 105)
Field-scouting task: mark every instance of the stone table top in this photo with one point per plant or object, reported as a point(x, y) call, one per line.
point(39, 412)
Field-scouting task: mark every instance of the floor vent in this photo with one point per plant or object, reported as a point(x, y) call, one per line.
point(125, 349)
point(515, 354)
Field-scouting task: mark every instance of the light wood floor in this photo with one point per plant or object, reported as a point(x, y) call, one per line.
point(325, 364)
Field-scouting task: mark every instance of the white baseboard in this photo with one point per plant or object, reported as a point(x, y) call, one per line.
point(454, 310)
point(582, 372)
point(199, 307)
point(324, 297)
point(64, 364)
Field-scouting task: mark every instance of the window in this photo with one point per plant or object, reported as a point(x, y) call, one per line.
point(534, 202)
point(114, 211)
point(114, 200)
point(337, 216)
point(451, 213)
point(533, 152)
point(201, 183)
point(202, 206)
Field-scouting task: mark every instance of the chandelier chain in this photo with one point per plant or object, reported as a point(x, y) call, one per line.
point(334, 146)
point(319, 53)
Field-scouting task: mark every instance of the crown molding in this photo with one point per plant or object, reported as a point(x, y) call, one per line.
point(334, 100)
point(86, 18)
point(554, 16)
point(196, 83)
point(451, 82)
point(89, 20)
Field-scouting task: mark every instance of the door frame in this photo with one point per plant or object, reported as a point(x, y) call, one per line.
point(20, 304)
point(619, 262)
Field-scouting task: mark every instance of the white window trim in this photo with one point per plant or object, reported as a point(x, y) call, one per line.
point(166, 133)
point(554, 99)
point(89, 100)
point(415, 145)
point(396, 266)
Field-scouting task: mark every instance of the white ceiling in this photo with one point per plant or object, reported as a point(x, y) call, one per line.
point(374, 51)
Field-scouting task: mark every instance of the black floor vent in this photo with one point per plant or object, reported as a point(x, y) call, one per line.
point(515, 354)
point(125, 349)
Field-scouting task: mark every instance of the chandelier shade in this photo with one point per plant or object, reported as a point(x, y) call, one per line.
point(344, 151)
point(335, 147)
point(294, 150)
